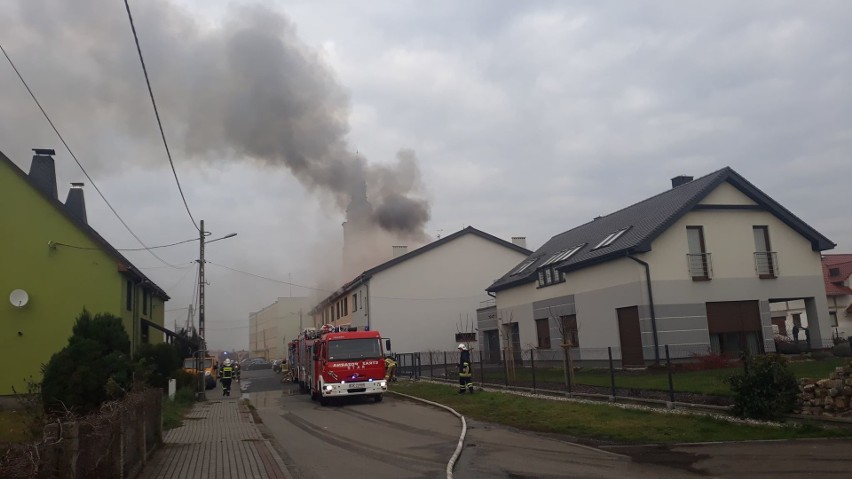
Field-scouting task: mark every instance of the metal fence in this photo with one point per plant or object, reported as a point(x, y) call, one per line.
point(688, 374)
point(114, 442)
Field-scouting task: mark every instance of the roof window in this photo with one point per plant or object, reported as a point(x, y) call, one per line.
point(610, 238)
point(562, 255)
point(526, 264)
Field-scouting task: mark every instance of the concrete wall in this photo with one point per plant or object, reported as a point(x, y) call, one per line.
point(419, 302)
point(271, 327)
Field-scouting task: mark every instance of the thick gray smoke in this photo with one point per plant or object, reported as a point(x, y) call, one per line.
point(248, 88)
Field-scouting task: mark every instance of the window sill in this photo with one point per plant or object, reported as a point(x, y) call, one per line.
point(701, 278)
point(767, 276)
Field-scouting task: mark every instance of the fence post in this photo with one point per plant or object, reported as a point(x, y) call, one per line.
point(532, 364)
point(446, 367)
point(431, 373)
point(671, 383)
point(481, 371)
point(611, 374)
point(418, 372)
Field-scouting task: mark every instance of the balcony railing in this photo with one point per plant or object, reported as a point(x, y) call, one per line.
point(700, 267)
point(766, 264)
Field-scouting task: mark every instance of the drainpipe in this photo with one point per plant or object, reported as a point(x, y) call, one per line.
point(367, 304)
point(651, 304)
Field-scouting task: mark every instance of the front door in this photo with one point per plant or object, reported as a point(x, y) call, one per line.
point(492, 345)
point(631, 337)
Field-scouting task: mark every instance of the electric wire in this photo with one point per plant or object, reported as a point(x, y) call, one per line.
point(157, 114)
point(68, 148)
point(332, 291)
point(56, 243)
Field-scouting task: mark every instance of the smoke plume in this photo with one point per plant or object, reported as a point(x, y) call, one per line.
point(248, 88)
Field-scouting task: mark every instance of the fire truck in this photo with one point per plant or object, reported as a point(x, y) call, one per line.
point(341, 363)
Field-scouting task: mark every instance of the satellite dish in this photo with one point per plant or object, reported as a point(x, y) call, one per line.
point(19, 298)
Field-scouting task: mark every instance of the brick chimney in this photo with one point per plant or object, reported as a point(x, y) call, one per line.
point(680, 180)
point(76, 203)
point(43, 171)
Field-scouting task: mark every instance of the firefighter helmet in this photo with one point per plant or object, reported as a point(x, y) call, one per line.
point(462, 347)
point(227, 362)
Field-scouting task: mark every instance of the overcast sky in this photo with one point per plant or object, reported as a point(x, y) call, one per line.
point(522, 119)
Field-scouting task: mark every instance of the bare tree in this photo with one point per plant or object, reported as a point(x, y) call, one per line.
point(567, 343)
point(466, 330)
point(505, 330)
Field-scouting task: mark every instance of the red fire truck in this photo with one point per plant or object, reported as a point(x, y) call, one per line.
point(342, 364)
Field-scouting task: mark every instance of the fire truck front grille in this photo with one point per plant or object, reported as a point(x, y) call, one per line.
point(357, 390)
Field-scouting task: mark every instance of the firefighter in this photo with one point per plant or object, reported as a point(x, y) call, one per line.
point(285, 371)
point(390, 368)
point(465, 371)
point(227, 375)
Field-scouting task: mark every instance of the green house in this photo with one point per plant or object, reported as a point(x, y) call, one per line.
point(52, 266)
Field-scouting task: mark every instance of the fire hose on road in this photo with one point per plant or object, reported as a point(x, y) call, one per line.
point(460, 445)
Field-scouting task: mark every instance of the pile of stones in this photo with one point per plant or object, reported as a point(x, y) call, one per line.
point(827, 397)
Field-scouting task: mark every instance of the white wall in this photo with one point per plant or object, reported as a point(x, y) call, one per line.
point(418, 303)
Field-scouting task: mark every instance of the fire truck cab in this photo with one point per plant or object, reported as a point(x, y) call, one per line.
point(347, 363)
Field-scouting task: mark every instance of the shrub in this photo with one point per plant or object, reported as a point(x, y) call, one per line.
point(767, 390)
point(156, 363)
point(709, 361)
point(842, 350)
point(93, 368)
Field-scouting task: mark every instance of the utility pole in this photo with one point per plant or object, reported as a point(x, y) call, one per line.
point(201, 287)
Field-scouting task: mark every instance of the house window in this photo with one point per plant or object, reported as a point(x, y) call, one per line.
point(145, 301)
point(797, 320)
point(568, 324)
point(780, 322)
point(610, 238)
point(465, 337)
point(764, 258)
point(832, 318)
point(355, 302)
point(549, 276)
point(345, 305)
point(834, 271)
point(698, 259)
point(145, 333)
point(542, 327)
point(129, 299)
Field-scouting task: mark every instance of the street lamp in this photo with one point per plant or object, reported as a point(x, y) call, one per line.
point(202, 235)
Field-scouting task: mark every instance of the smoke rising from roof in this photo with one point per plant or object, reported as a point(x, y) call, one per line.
point(247, 89)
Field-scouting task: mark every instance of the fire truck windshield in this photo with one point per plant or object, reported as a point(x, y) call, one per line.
point(348, 349)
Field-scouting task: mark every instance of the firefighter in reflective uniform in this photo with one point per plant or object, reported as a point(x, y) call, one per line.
point(465, 371)
point(390, 368)
point(226, 377)
point(285, 371)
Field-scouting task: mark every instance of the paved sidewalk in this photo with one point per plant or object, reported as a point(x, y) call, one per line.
point(218, 439)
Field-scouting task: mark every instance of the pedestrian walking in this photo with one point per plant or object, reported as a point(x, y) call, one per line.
point(465, 370)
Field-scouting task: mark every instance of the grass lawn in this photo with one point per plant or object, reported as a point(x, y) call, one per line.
point(601, 422)
point(174, 411)
point(12, 427)
point(710, 381)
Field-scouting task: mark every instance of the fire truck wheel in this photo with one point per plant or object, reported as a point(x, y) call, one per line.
point(378, 398)
point(324, 401)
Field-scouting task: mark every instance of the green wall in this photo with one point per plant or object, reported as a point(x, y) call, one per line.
point(60, 281)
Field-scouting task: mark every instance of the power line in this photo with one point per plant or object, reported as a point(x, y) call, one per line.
point(56, 243)
point(329, 291)
point(157, 114)
point(91, 181)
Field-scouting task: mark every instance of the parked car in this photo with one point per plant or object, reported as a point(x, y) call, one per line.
point(253, 364)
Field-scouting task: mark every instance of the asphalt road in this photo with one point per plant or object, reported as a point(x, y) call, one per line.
point(399, 438)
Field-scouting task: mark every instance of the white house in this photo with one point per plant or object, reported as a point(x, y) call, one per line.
point(425, 299)
point(695, 267)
